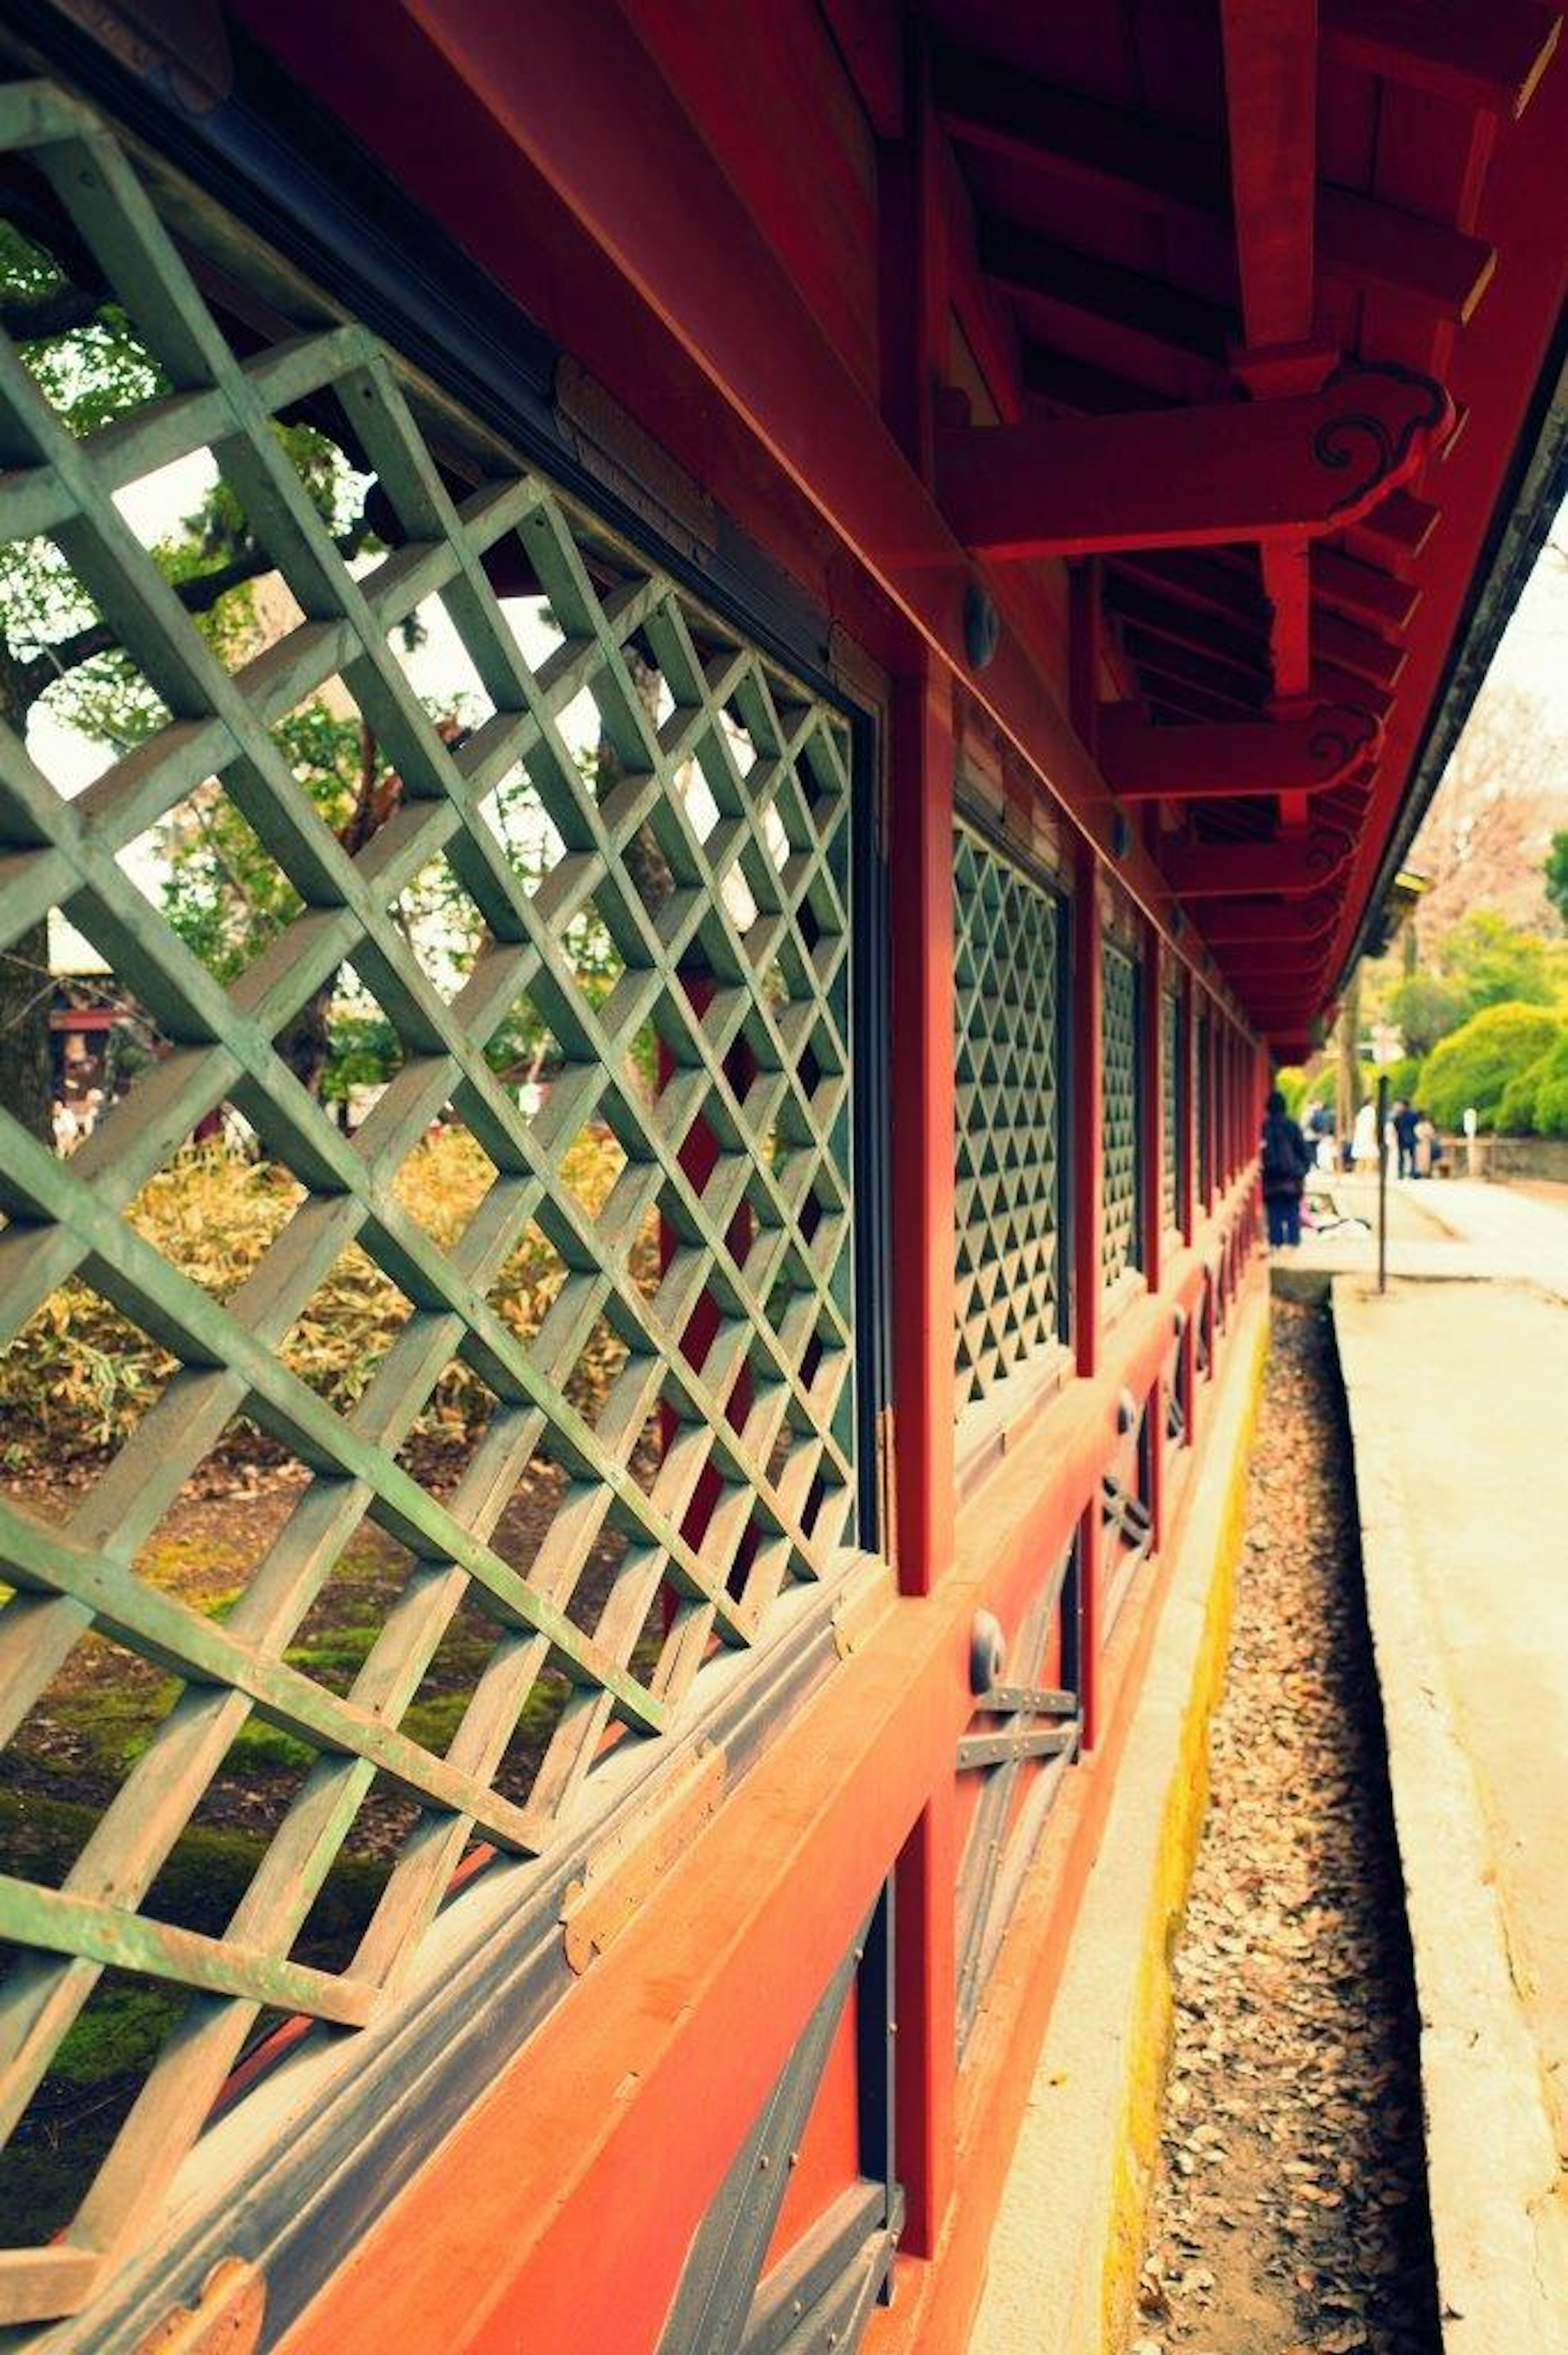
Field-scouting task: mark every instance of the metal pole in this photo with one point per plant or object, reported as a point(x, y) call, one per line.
point(1382, 1182)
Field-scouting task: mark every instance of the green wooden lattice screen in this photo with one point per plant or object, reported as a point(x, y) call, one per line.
point(1171, 1106)
point(1006, 978)
point(1119, 1112)
point(1203, 1156)
point(738, 1153)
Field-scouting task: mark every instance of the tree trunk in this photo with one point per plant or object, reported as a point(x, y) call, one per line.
point(26, 994)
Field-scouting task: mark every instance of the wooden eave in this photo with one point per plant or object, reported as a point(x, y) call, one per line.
point(1119, 210)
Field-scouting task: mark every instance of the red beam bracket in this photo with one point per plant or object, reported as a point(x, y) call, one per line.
point(1235, 870)
point(1268, 471)
point(1303, 754)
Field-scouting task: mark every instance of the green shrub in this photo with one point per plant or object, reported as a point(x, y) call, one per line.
point(1549, 1091)
point(1517, 1111)
point(1473, 1066)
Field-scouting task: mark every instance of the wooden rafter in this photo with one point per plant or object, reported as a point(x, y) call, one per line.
point(1236, 633)
point(1041, 272)
point(1271, 116)
point(1489, 58)
point(1352, 587)
point(1156, 167)
point(1265, 918)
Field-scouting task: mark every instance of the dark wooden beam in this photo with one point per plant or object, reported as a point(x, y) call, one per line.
point(1178, 698)
point(869, 35)
point(1038, 270)
point(1239, 643)
point(1402, 522)
point(1352, 587)
point(1271, 919)
point(1143, 165)
point(1085, 391)
point(1271, 116)
point(1242, 693)
point(1335, 685)
point(1351, 649)
point(1190, 478)
point(1372, 244)
point(1288, 963)
point(1075, 138)
point(1207, 581)
point(1490, 56)
point(1154, 593)
point(1142, 764)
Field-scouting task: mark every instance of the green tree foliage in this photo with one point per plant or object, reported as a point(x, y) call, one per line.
point(223, 892)
point(1487, 961)
point(1474, 1065)
point(1549, 1107)
point(1291, 1081)
point(1425, 1009)
point(1557, 872)
point(55, 649)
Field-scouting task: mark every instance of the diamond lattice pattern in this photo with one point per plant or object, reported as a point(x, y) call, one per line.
point(1007, 944)
point(1119, 1112)
point(1170, 1106)
point(701, 841)
point(1202, 1153)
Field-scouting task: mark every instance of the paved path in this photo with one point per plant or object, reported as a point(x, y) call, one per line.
point(1443, 1227)
point(1458, 1400)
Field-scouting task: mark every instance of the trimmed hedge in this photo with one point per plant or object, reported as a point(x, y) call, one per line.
point(1475, 1065)
point(1536, 1103)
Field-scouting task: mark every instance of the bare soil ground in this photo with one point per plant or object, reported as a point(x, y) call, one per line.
point(1289, 2214)
point(82, 1738)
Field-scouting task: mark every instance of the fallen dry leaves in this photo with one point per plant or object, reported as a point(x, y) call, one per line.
point(1289, 2215)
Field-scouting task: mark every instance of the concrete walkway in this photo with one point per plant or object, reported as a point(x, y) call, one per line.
point(1458, 1402)
point(1437, 1228)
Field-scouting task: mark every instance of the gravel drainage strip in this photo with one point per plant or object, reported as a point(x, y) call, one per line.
point(1289, 2210)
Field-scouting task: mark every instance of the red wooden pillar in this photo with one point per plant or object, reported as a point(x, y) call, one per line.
point(921, 851)
point(1151, 1068)
point(911, 263)
point(1088, 1228)
point(922, 1187)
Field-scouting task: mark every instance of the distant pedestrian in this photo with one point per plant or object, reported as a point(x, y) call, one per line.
point(1363, 1137)
point(1318, 1128)
point(1422, 1147)
point(1285, 1164)
point(1405, 1117)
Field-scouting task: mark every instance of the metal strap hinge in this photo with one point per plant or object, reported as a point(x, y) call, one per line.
point(225, 2320)
point(995, 1748)
point(861, 1600)
point(618, 1876)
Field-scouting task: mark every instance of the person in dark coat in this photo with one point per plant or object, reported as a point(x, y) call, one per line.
point(1286, 1162)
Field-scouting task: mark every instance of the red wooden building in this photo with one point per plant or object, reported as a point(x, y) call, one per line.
point(1083, 458)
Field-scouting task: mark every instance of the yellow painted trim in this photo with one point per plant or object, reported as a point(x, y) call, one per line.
point(1139, 2141)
